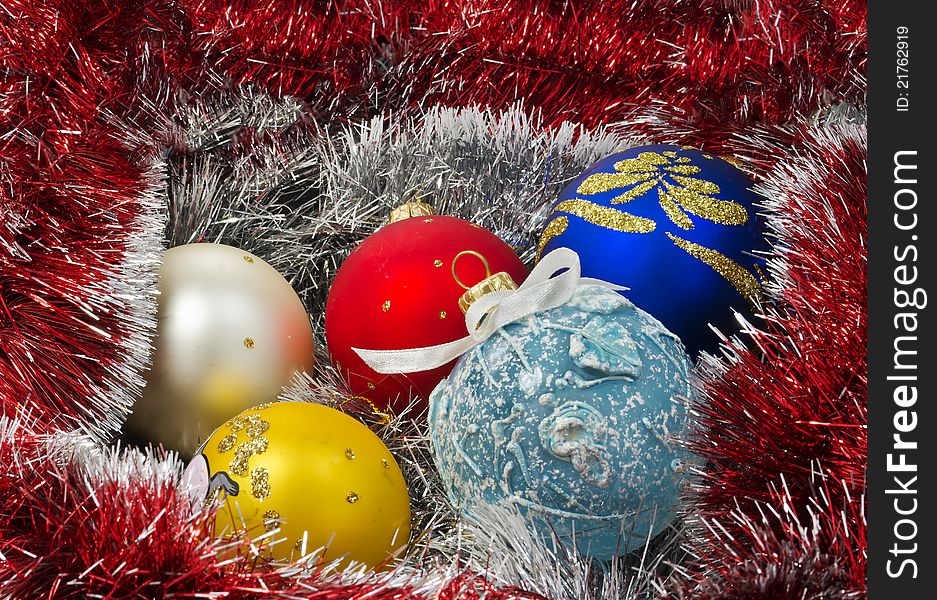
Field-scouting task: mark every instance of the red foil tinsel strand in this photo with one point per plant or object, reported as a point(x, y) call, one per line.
point(75, 75)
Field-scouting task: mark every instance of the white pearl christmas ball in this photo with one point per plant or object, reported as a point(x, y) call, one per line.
point(231, 333)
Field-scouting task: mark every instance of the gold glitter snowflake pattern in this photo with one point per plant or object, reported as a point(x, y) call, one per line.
point(681, 195)
point(271, 520)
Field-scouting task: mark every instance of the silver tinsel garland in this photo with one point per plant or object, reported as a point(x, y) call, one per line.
point(128, 292)
point(249, 172)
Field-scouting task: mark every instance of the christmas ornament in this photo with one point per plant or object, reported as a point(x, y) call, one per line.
point(231, 333)
point(566, 404)
point(310, 474)
point(678, 227)
point(400, 288)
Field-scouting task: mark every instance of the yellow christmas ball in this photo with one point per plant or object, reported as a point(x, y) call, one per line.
point(310, 474)
point(231, 333)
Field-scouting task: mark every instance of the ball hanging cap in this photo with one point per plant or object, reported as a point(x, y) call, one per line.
point(410, 209)
point(738, 164)
point(491, 283)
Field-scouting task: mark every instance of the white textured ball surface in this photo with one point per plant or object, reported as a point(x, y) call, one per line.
point(231, 333)
point(571, 415)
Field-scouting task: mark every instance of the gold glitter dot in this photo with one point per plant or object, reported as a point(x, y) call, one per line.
point(670, 154)
point(227, 442)
point(370, 386)
point(271, 520)
point(351, 497)
point(338, 366)
point(298, 546)
point(386, 306)
point(260, 483)
point(253, 423)
point(427, 220)
point(349, 454)
point(248, 259)
point(385, 463)
point(263, 406)
point(243, 452)
point(256, 426)
point(437, 262)
point(442, 314)
point(238, 423)
point(248, 343)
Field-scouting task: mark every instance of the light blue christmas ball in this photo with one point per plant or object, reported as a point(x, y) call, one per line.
point(571, 415)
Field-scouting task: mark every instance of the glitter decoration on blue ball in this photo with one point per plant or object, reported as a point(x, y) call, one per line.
point(679, 227)
point(572, 415)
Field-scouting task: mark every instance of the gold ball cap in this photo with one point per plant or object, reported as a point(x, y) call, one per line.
point(410, 209)
point(493, 283)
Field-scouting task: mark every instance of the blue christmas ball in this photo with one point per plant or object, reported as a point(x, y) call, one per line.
point(678, 227)
point(571, 415)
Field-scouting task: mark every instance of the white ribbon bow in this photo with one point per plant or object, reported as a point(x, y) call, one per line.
point(541, 291)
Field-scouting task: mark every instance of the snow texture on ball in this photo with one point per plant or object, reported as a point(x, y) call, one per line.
point(571, 415)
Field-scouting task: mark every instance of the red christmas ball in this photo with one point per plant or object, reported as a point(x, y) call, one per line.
point(400, 289)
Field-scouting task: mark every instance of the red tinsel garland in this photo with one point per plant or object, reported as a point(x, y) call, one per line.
point(72, 208)
point(81, 82)
point(714, 64)
point(595, 62)
point(782, 420)
point(319, 51)
point(70, 529)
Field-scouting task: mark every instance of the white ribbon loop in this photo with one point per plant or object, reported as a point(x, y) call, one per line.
point(541, 291)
